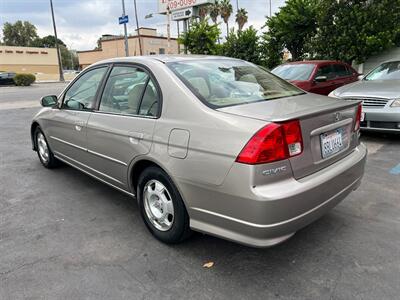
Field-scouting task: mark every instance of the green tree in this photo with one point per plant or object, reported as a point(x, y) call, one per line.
point(241, 18)
point(203, 11)
point(68, 57)
point(226, 10)
point(201, 38)
point(19, 34)
point(351, 30)
point(244, 45)
point(47, 42)
point(215, 11)
point(292, 28)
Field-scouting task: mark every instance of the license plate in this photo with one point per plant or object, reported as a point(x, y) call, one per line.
point(332, 142)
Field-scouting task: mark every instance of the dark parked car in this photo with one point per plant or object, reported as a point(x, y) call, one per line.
point(317, 76)
point(6, 77)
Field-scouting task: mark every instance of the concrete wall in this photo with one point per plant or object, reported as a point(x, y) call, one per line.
point(28, 59)
point(374, 61)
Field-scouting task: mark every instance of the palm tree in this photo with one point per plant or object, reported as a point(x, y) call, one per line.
point(214, 11)
point(241, 18)
point(203, 11)
point(226, 10)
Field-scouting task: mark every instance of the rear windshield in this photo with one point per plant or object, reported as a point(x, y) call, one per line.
point(294, 72)
point(386, 71)
point(224, 82)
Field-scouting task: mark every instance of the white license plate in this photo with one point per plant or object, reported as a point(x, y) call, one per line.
point(332, 142)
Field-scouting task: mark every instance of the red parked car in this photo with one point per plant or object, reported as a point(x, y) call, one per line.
point(317, 76)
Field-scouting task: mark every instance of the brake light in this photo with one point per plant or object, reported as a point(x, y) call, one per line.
point(357, 124)
point(274, 142)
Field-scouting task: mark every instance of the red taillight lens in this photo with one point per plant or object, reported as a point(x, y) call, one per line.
point(276, 141)
point(358, 117)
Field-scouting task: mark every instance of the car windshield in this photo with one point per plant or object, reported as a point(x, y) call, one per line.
point(386, 71)
point(294, 72)
point(223, 82)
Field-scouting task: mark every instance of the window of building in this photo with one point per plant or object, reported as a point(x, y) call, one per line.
point(161, 51)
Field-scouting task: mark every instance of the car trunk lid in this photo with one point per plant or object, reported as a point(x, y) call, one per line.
point(326, 124)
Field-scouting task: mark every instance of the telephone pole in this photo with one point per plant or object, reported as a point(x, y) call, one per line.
point(137, 28)
point(60, 68)
point(125, 31)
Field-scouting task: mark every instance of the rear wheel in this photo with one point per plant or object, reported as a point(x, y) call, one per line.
point(46, 157)
point(162, 207)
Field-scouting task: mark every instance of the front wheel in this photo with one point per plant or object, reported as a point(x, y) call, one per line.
point(162, 207)
point(46, 156)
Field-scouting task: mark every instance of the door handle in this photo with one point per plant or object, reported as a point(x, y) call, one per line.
point(79, 125)
point(135, 137)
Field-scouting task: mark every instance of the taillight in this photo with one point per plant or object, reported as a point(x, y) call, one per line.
point(358, 117)
point(276, 141)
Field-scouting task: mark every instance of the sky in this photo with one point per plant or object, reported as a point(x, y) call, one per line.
point(81, 22)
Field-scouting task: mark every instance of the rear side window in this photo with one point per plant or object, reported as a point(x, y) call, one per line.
point(341, 70)
point(131, 91)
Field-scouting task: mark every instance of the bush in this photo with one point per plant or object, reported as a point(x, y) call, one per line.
point(24, 79)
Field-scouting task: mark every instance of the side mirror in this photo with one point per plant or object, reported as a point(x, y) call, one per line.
point(73, 104)
point(360, 76)
point(48, 101)
point(321, 79)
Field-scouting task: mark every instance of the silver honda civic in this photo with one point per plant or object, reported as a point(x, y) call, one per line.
point(379, 92)
point(210, 144)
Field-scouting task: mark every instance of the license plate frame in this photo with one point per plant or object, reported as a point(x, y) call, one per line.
point(332, 142)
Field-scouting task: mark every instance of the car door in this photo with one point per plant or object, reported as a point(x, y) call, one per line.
point(342, 76)
point(323, 87)
point(122, 126)
point(67, 125)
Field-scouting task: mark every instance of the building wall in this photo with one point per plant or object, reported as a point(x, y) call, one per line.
point(28, 59)
point(374, 61)
point(115, 47)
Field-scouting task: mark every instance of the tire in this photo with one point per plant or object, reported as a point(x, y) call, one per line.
point(43, 150)
point(158, 199)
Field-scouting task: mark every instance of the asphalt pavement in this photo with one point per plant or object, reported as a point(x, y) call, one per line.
point(63, 235)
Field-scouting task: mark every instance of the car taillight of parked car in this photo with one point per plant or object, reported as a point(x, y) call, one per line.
point(274, 142)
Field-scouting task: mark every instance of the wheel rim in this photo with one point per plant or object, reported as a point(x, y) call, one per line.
point(158, 205)
point(42, 148)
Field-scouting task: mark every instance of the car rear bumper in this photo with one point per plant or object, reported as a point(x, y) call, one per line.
point(382, 119)
point(266, 215)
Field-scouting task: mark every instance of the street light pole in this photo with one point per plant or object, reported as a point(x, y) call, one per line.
point(60, 69)
point(137, 28)
point(270, 9)
point(125, 30)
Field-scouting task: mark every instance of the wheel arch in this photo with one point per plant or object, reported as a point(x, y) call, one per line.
point(34, 125)
point(139, 165)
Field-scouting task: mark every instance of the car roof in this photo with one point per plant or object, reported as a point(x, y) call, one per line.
point(315, 62)
point(162, 58)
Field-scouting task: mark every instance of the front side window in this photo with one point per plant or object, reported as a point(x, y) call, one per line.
point(294, 71)
point(225, 82)
point(386, 71)
point(327, 71)
point(129, 90)
point(82, 94)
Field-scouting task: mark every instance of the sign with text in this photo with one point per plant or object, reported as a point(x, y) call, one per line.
point(123, 20)
point(179, 4)
point(182, 14)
